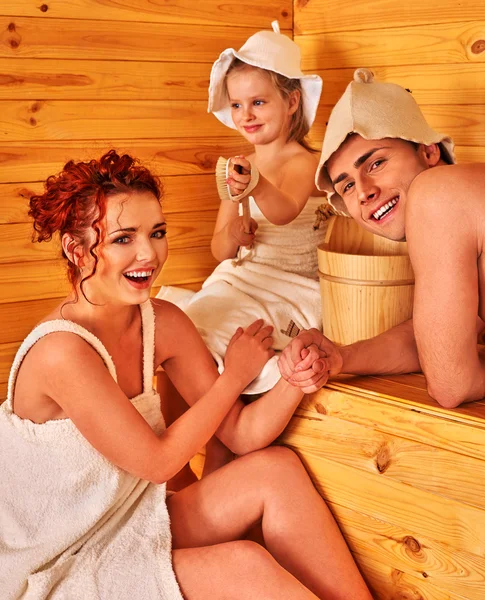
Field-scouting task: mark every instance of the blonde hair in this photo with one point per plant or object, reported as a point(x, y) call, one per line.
point(298, 127)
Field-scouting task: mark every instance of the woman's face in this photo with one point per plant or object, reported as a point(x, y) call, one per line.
point(132, 253)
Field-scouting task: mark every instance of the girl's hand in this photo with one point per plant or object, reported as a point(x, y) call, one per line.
point(239, 175)
point(236, 231)
point(248, 351)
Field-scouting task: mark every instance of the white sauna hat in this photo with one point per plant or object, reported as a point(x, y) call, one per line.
point(268, 50)
point(375, 110)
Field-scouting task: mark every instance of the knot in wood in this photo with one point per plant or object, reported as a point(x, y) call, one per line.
point(320, 408)
point(478, 47)
point(44, 8)
point(11, 27)
point(383, 458)
point(32, 121)
point(412, 543)
point(284, 13)
point(302, 3)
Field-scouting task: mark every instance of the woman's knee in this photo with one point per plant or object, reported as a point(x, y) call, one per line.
point(279, 458)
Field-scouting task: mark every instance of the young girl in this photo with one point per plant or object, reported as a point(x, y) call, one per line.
point(269, 271)
point(85, 452)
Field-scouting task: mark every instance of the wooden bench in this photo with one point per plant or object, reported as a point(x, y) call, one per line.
point(405, 479)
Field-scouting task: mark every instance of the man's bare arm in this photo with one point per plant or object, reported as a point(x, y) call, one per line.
point(443, 244)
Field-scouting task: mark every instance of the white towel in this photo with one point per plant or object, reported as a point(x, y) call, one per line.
point(234, 297)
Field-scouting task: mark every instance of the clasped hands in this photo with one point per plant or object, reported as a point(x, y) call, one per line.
point(309, 360)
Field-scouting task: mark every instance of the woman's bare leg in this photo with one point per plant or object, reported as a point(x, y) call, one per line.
point(270, 486)
point(236, 570)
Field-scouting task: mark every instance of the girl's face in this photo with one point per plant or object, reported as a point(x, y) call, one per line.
point(259, 111)
point(132, 253)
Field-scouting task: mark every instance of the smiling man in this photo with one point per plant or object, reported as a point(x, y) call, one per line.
point(383, 165)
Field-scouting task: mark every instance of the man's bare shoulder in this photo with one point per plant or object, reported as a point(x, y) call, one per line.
point(446, 203)
point(450, 181)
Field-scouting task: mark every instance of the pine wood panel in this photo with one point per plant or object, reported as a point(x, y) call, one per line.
point(389, 583)
point(7, 354)
point(464, 123)
point(186, 230)
point(47, 279)
point(430, 84)
point(441, 519)
point(449, 43)
point(18, 318)
point(102, 80)
point(106, 120)
point(420, 420)
point(411, 390)
point(391, 457)
point(210, 12)
point(35, 161)
point(116, 40)
point(312, 16)
point(457, 572)
point(191, 194)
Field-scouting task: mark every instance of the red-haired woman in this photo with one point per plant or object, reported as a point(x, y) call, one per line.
point(84, 453)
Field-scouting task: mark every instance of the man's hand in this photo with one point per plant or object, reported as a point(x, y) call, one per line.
point(309, 360)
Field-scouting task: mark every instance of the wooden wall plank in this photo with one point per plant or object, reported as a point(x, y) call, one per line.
point(448, 522)
point(47, 279)
point(210, 12)
point(389, 583)
point(181, 194)
point(457, 572)
point(430, 84)
point(392, 457)
point(102, 80)
point(464, 123)
point(441, 44)
point(410, 422)
point(417, 397)
point(319, 16)
point(117, 40)
point(184, 230)
point(7, 354)
point(18, 318)
point(106, 120)
point(35, 161)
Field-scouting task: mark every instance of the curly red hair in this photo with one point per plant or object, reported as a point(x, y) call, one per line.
point(74, 202)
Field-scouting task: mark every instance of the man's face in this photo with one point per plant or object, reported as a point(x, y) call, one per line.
point(373, 178)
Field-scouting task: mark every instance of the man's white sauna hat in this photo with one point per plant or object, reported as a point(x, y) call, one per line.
point(268, 50)
point(375, 110)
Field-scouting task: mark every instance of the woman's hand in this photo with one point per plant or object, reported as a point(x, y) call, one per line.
point(239, 175)
point(237, 233)
point(309, 360)
point(248, 351)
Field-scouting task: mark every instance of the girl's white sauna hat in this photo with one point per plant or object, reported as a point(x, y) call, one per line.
point(375, 110)
point(268, 50)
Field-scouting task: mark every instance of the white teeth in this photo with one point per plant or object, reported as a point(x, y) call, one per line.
point(139, 273)
point(384, 209)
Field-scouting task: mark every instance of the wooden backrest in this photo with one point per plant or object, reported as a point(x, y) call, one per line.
point(77, 79)
point(435, 49)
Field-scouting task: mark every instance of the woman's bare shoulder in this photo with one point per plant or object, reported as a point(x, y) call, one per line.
point(173, 329)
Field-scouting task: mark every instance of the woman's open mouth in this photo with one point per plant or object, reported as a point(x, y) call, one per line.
point(139, 279)
point(385, 210)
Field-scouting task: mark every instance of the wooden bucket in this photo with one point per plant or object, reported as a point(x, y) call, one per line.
point(366, 282)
